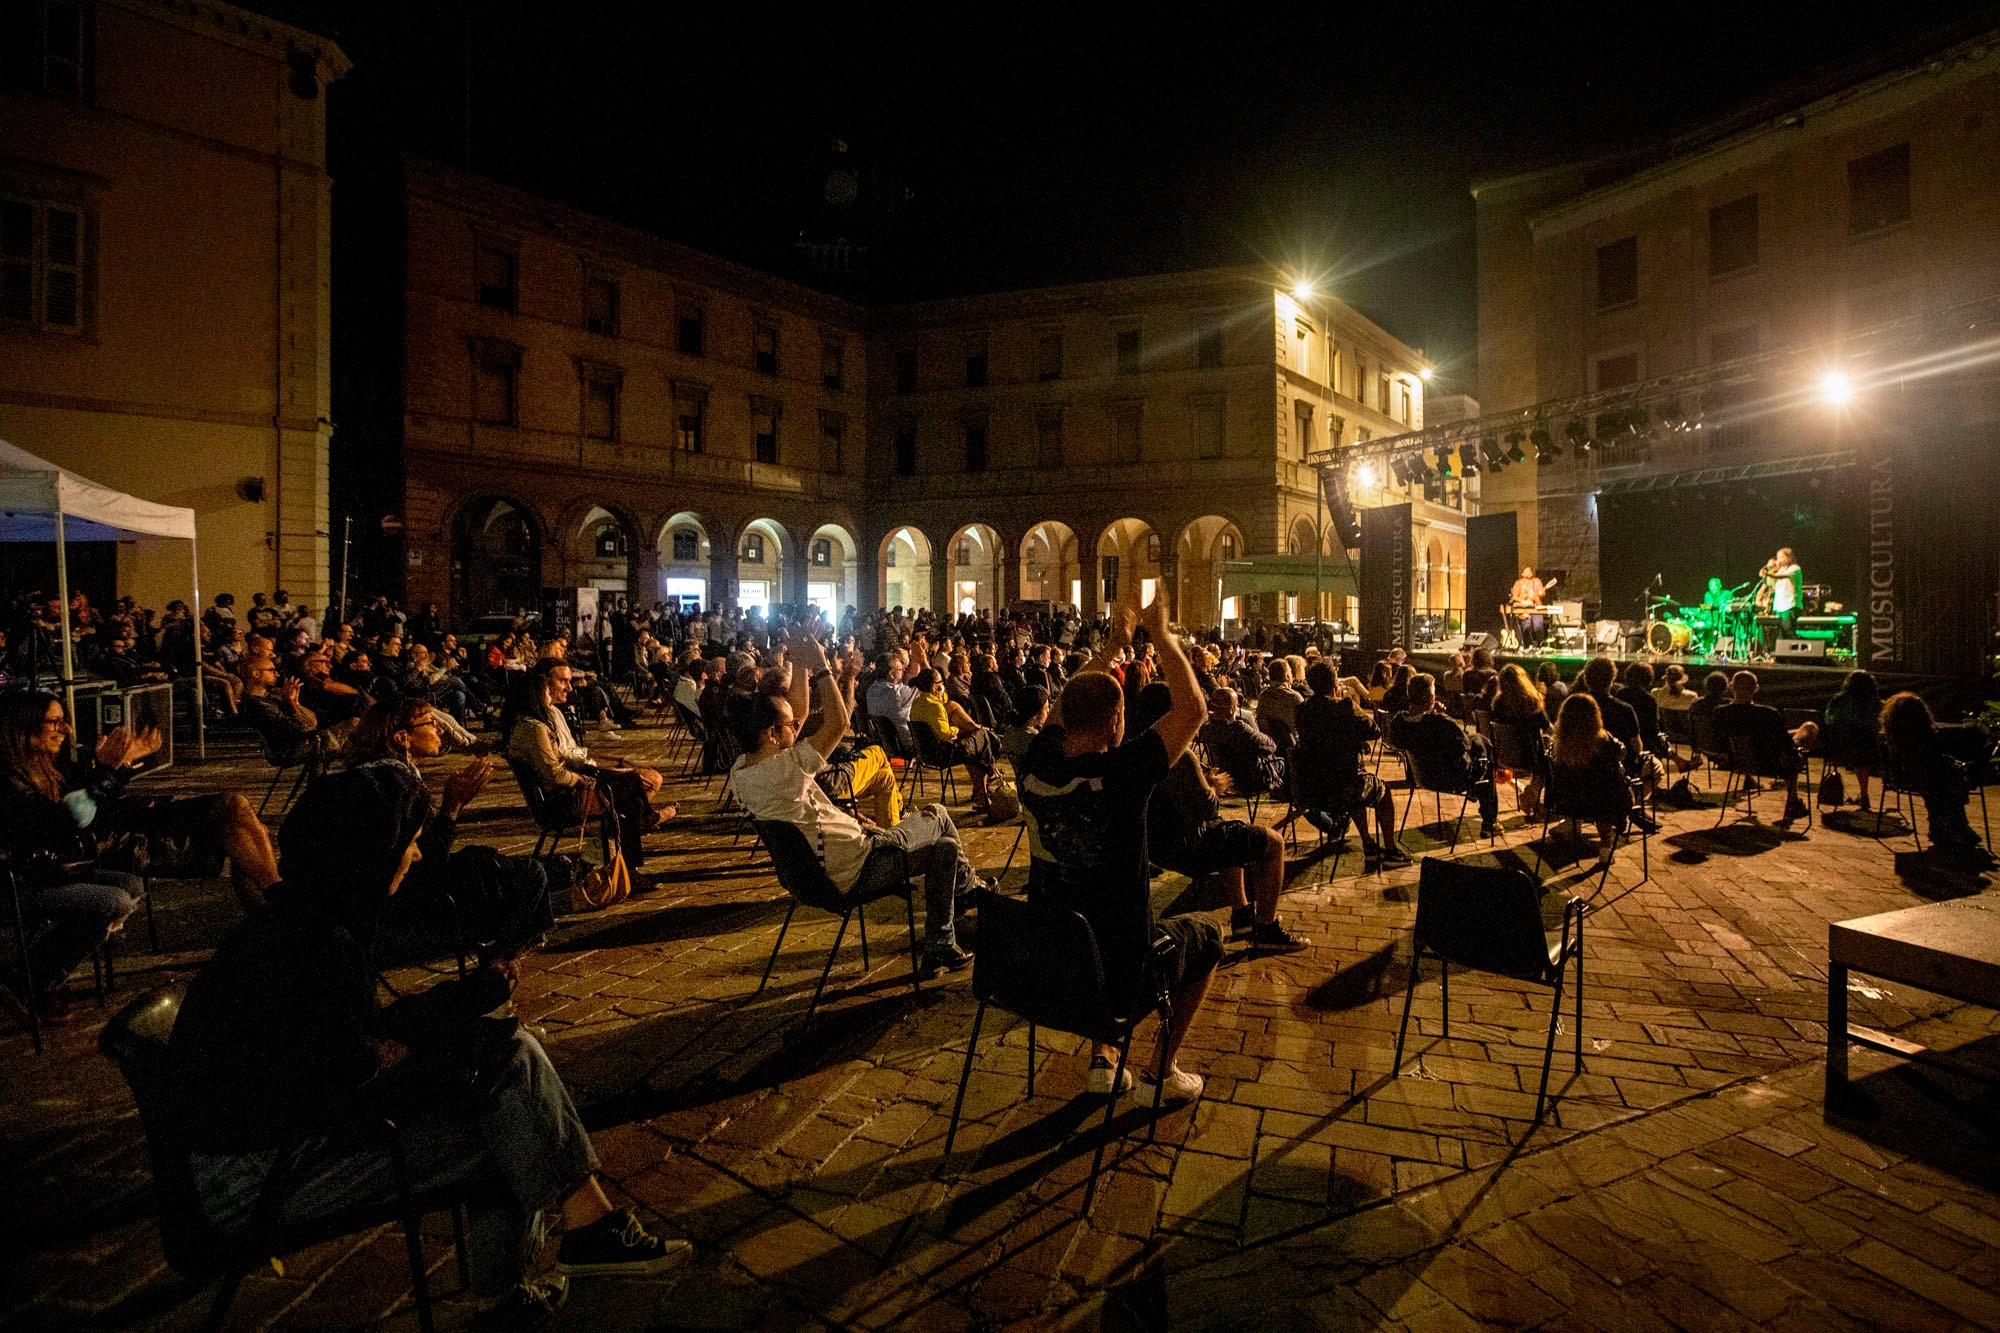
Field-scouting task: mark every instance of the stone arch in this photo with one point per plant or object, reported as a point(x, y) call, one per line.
point(496, 558)
point(600, 548)
point(684, 560)
point(1051, 569)
point(1138, 550)
point(976, 559)
point(903, 564)
point(1200, 550)
point(763, 558)
point(1303, 539)
point(832, 570)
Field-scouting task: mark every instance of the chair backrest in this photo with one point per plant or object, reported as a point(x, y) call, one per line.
point(692, 721)
point(1040, 960)
point(1706, 743)
point(532, 792)
point(1678, 724)
point(934, 752)
point(1280, 732)
point(982, 712)
point(1513, 748)
point(884, 730)
point(1484, 917)
point(800, 871)
point(1746, 756)
point(136, 1040)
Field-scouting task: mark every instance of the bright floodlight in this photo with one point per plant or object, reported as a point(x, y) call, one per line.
point(1367, 475)
point(1303, 289)
point(1835, 389)
point(1425, 374)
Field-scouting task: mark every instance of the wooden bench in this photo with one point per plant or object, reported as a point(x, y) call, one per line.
point(1949, 948)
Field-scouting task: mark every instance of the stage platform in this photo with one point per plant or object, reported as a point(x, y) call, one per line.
point(1781, 684)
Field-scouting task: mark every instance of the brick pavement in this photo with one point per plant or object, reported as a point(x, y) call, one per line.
point(1692, 1180)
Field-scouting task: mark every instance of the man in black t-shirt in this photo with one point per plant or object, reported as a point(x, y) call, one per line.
point(1085, 791)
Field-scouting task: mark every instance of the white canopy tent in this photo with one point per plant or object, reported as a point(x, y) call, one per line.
point(41, 502)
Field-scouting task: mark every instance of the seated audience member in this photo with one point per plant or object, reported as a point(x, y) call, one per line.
point(995, 702)
point(1085, 793)
point(1587, 772)
point(1673, 695)
point(1334, 728)
point(540, 740)
point(1445, 752)
point(1031, 714)
point(424, 677)
point(712, 703)
point(1619, 718)
point(976, 746)
point(774, 780)
point(1637, 693)
point(331, 701)
point(290, 731)
point(1246, 755)
point(1185, 831)
point(958, 681)
point(1517, 703)
point(1550, 682)
point(1279, 702)
point(501, 901)
point(594, 702)
point(1396, 699)
point(889, 697)
point(688, 681)
point(1777, 746)
point(280, 1038)
point(1478, 679)
point(1852, 734)
point(1378, 681)
point(1918, 760)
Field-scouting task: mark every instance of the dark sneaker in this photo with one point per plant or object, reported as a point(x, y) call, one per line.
point(1644, 822)
point(1795, 809)
point(528, 1306)
point(1272, 937)
point(950, 958)
point(1392, 854)
point(1241, 919)
point(618, 1245)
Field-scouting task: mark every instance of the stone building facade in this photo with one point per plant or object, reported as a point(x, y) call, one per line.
point(1809, 229)
point(586, 405)
point(164, 324)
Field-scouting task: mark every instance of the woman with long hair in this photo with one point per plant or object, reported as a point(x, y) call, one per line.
point(1587, 772)
point(1919, 761)
point(1851, 734)
point(1518, 703)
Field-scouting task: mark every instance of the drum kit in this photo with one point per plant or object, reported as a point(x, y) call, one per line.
point(1723, 629)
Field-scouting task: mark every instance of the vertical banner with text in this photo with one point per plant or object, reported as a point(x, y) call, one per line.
point(1385, 578)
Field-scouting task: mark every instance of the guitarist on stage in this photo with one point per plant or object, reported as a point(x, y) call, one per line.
point(1528, 600)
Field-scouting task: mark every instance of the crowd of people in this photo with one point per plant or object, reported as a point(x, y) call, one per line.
point(1116, 740)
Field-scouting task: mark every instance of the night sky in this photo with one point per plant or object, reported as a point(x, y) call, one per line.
point(1023, 145)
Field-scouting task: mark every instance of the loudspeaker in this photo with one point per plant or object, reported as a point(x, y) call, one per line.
point(1477, 641)
point(1800, 650)
point(1607, 633)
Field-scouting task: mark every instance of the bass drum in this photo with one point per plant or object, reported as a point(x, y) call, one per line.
point(1664, 637)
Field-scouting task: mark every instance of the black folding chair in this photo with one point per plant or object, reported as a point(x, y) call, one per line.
point(1040, 962)
point(1745, 763)
point(1489, 919)
point(804, 878)
point(935, 755)
point(555, 819)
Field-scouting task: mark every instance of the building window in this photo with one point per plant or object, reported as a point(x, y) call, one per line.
point(1362, 434)
point(687, 546)
point(764, 429)
point(1302, 426)
point(41, 264)
point(1409, 412)
point(1878, 190)
point(690, 417)
point(1732, 236)
point(975, 370)
point(611, 542)
point(493, 390)
point(832, 363)
point(764, 347)
point(906, 370)
point(753, 548)
point(975, 447)
point(1618, 273)
point(1049, 439)
point(1128, 351)
point(1228, 546)
point(1209, 433)
point(45, 47)
point(832, 442)
point(600, 402)
point(496, 278)
point(1361, 379)
point(1125, 434)
point(961, 554)
point(906, 451)
point(1208, 342)
point(889, 560)
point(1614, 371)
point(1048, 356)
point(1152, 548)
point(691, 337)
point(600, 306)
point(822, 552)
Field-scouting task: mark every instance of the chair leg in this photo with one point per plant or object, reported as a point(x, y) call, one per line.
point(276, 778)
point(458, 1242)
point(1019, 833)
point(1579, 994)
point(152, 927)
point(1444, 994)
point(1031, 1059)
point(1549, 1046)
point(916, 948)
point(420, 1284)
point(826, 971)
point(776, 945)
point(1110, 1109)
point(1409, 994)
point(964, 1077)
point(861, 914)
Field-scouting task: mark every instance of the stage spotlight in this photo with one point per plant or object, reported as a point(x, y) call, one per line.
point(1468, 459)
point(1400, 471)
point(1444, 460)
point(1367, 475)
point(1577, 434)
point(1835, 389)
point(1546, 448)
point(1489, 450)
point(1671, 415)
point(1515, 452)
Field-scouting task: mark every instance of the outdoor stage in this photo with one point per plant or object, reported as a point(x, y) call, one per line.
point(1781, 684)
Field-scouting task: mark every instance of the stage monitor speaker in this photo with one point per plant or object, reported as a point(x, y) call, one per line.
point(1607, 633)
point(1800, 650)
point(1473, 642)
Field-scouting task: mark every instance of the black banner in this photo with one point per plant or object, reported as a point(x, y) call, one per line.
point(1491, 552)
point(1385, 578)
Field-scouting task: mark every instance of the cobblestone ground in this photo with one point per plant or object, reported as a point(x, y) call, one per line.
point(1693, 1181)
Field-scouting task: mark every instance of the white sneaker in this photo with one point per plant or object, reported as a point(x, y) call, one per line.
point(1098, 1083)
point(608, 725)
point(1180, 1086)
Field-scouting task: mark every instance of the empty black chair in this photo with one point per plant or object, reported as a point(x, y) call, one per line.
point(1040, 961)
point(135, 1040)
point(1490, 919)
point(804, 878)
